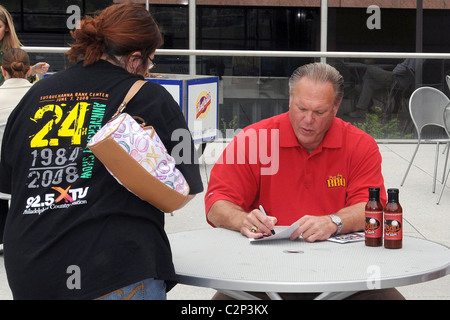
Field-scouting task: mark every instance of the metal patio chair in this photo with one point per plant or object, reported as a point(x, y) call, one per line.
point(446, 117)
point(426, 107)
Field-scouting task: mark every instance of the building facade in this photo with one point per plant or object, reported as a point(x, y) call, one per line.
point(268, 25)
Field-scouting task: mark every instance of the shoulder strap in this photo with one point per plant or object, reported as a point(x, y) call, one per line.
point(130, 94)
point(133, 90)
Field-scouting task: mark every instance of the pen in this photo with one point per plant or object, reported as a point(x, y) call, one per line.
point(264, 211)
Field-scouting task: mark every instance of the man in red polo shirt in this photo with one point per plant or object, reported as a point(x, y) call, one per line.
point(304, 165)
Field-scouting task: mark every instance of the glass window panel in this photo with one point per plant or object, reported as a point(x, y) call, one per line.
point(348, 31)
point(435, 24)
point(93, 5)
point(11, 5)
point(44, 22)
point(221, 28)
point(49, 6)
point(174, 24)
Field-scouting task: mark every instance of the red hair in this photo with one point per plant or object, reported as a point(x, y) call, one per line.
point(117, 31)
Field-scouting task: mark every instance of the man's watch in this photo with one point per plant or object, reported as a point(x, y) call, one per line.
point(337, 221)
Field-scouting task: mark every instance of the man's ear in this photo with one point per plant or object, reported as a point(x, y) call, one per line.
point(336, 108)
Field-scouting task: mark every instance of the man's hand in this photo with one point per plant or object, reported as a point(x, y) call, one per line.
point(314, 228)
point(254, 224)
point(257, 225)
point(40, 68)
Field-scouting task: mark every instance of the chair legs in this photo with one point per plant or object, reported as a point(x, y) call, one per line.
point(447, 148)
point(410, 163)
point(435, 166)
point(443, 186)
point(444, 176)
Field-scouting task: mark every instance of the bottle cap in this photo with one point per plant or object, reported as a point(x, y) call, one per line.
point(392, 194)
point(374, 193)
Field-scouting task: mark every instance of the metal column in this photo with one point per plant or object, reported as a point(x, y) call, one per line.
point(192, 35)
point(323, 28)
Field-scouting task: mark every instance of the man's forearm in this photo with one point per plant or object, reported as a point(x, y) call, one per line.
point(226, 214)
point(353, 217)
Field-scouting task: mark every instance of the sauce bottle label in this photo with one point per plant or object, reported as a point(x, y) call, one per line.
point(374, 228)
point(393, 226)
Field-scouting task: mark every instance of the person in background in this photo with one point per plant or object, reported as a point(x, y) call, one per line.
point(73, 231)
point(15, 69)
point(324, 168)
point(9, 39)
point(376, 78)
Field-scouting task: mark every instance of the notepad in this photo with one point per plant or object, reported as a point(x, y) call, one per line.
point(281, 232)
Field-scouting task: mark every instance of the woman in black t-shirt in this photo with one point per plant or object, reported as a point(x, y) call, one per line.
point(72, 231)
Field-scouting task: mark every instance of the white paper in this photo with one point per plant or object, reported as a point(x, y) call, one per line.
point(281, 232)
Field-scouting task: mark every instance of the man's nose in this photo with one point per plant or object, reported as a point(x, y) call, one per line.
point(309, 117)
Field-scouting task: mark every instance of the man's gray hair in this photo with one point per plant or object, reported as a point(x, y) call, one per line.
point(320, 72)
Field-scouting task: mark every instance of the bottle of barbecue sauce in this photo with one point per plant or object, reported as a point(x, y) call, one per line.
point(374, 219)
point(393, 221)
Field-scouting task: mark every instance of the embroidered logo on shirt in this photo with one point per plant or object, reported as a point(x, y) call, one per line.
point(336, 181)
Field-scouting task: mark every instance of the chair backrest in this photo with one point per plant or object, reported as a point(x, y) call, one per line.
point(426, 106)
point(447, 120)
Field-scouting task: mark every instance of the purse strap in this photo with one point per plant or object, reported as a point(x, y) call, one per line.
point(130, 94)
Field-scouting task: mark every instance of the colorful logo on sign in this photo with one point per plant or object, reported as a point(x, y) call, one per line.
point(203, 104)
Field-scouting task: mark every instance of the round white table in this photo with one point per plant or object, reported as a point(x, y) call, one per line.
point(225, 260)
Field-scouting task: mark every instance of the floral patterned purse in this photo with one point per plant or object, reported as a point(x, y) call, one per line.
point(136, 157)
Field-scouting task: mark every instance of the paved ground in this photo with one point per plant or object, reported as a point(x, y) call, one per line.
point(423, 217)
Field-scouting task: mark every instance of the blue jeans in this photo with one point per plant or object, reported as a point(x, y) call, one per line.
point(149, 289)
